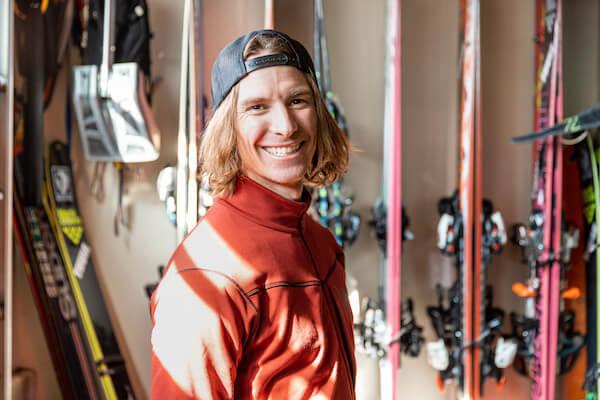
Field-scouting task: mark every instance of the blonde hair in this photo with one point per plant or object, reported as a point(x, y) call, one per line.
point(220, 162)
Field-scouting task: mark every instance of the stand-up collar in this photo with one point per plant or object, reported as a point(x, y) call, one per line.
point(266, 207)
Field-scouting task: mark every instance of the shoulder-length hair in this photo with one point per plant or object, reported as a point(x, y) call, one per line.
point(220, 163)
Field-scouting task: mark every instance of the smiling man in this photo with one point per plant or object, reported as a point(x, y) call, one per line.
point(253, 304)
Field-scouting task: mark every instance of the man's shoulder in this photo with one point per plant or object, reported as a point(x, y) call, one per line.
point(206, 252)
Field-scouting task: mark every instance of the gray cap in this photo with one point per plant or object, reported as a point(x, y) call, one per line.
point(230, 67)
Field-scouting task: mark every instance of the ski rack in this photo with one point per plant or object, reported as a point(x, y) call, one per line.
point(6, 189)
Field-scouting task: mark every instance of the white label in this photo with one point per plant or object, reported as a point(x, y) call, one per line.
point(499, 222)
point(446, 220)
point(81, 261)
point(437, 355)
point(506, 350)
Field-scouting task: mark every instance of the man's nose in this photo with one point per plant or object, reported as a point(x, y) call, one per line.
point(283, 122)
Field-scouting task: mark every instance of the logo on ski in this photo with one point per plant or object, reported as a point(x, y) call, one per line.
point(53, 274)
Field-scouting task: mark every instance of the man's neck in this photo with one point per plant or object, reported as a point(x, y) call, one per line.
point(290, 192)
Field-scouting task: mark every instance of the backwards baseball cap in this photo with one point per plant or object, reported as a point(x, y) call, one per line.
point(230, 67)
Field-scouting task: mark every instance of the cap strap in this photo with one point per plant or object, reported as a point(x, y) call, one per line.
point(270, 61)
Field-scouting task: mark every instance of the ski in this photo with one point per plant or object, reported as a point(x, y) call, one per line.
point(535, 329)
point(470, 346)
point(387, 327)
point(33, 233)
point(393, 202)
point(269, 14)
point(331, 203)
point(54, 286)
point(68, 229)
point(6, 188)
point(571, 364)
point(182, 181)
point(548, 342)
point(549, 103)
point(590, 181)
point(455, 354)
point(72, 361)
point(195, 112)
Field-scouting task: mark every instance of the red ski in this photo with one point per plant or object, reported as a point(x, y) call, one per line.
point(469, 194)
point(548, 240)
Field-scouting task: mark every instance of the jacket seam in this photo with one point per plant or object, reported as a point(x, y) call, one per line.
point(237, 286)
point(282, 284)
point(330, 272)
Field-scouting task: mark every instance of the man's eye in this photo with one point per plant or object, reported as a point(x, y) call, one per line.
point(257, 107)
point(298, 101)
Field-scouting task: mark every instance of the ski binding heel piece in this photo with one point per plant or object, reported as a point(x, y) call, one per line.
point(446, 234)
point(505, 352)
point(499, 231)
point(437, 355)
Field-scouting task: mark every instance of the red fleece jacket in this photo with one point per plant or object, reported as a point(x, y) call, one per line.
point(253, 305)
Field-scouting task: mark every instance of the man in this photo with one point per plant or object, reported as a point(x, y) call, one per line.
point(253, 304)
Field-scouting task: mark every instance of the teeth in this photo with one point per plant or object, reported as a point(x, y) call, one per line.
point(282, 151)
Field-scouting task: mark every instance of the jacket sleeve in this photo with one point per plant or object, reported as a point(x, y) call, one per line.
point(201, 322)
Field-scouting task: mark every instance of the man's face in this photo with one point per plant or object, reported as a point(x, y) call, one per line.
point(277, 125)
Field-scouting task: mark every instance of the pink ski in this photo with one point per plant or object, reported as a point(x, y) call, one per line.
point(394, 201)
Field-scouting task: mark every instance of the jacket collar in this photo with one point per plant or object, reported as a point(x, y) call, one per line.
point(266, 207)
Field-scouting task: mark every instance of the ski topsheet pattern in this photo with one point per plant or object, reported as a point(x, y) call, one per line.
point(56, 305)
